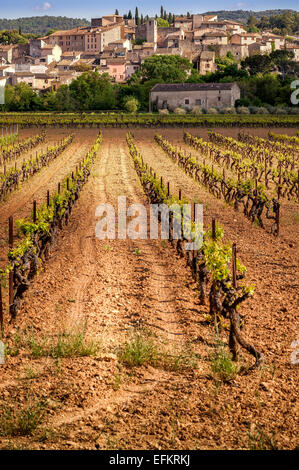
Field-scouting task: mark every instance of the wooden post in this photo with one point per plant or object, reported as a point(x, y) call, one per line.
point(180, 194)
point(277, 219)
point(168, 192)
point(34, 212)
point(10, 241)
point(213, 309)
point(193, 220)
point(67, 183)
point(58, 188)
point(48, 198)
point(234, 266)
point(213, 229)
point(161, 182)
point(233, 345)
point(1, 310)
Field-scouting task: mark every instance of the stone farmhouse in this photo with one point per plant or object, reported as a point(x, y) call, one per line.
point(189, 95)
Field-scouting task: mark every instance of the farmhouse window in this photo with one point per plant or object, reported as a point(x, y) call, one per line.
point(198, 102)
point(187, 101)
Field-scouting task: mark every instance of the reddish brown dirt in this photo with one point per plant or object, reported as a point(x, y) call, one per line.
point(116, 286)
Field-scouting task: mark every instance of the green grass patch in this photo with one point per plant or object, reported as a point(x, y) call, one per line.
point(21, 421)
point(144, 349)
point(223, 368)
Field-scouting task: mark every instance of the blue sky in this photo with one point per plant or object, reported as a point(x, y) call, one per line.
point(95, 8)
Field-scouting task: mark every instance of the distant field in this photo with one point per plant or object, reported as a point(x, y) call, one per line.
point(116, 119)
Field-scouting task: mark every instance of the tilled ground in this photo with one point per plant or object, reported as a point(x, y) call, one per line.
point(113, 288)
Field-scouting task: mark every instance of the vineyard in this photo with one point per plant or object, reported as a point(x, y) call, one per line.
point(137, 343)
point(117, 120)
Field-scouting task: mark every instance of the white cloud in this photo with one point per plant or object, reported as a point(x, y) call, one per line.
point(44, 7)
point(240, 4)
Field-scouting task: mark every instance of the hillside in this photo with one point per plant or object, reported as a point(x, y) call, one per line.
point(243, 15)
point(42, 24)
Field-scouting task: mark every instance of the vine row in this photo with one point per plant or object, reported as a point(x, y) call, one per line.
point(209, 264)
point(26, 259)
point(253, 199)
point(11, 179)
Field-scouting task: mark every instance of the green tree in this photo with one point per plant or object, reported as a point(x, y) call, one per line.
point(49, 101)
point(164, 68)
point(51, 31)
point(263, 23)
point(11, 37)
point(93, 91)
point(257, 63)
point(162, 23)
point(137, 21)
point(21, 98)
point(252, 21)
point(65, 100)
point(116, 12)
point(131, 104)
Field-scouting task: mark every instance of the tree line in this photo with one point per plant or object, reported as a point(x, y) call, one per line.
point(264, 81)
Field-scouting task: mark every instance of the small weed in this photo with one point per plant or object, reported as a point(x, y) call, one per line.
point(142, 349)
point(260, 440)
point(137, 251)
point(117, 382)
point(256, 222)
point(21, 422)
point(58, 366)
point(46, 434)
point(222, 366)
point(139, 351)
point(30, 374)
point(107, 248)
point(37, 347)
point(13, 349)
point(179, 362)
point(69, 345)
point(66, 345)
point(164, 243)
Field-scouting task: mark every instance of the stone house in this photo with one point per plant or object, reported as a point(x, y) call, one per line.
point(293, 48)
point(206, 62)
point(3, 81)
point(116, 67)
point(45, 53)
point(277, 41)
point(233, 27)
point(86, 39)
point(6, 53)
point(245, 39)
point(215, 38)
point(188, 95)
